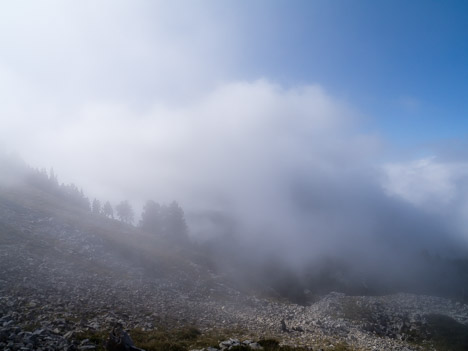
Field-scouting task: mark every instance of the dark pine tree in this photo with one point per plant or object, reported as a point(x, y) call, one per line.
point(107, 210)
point(125, 212)
point(152, 218)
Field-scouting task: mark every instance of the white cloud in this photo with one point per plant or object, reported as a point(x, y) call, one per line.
point(239, 148)
point(240, 133)
point(136, 51)
point(426, 182)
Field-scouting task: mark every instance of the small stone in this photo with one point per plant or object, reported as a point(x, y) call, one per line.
point(38, 332)
point(255, 346)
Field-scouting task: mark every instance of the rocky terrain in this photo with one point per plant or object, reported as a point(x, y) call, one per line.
point(63, 276)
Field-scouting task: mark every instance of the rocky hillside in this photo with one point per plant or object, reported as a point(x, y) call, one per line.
point(66, 277)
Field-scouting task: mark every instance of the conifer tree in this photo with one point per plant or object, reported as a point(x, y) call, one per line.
point(107, 210)
point(125, 212)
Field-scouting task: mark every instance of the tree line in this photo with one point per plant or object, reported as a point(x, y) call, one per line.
point(165, 220)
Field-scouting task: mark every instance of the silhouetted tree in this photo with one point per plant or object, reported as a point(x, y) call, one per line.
point(125, 212)
point(151, 217)
point(74, 196)
point(174, 225)
point(96, 208)
point(107, 210)
point(164, 220)
point(40, 179)
point(53, 179)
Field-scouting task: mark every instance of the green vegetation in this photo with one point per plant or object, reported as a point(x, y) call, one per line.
point(269, 344)
point(274, 345)
point(96, 337)
point(171, 340)
point(187, 338)
point(160, 339)
point(352, 310)
point(444, 333)
point(240, 348)
point(342, 347)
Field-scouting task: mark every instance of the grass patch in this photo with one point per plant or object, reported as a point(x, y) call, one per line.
point(342, 347)
point(159, 340)
point(240, 348)
point(445, 333)
point(355, 312)
point(96, 337)
point(30, 327)
point(187, 338)
point(274, 345)
point(270, 344)
point(181, 339)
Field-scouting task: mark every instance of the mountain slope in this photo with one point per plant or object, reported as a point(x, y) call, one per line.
point(65, 273)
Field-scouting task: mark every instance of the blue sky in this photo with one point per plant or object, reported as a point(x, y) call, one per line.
point(403, 63)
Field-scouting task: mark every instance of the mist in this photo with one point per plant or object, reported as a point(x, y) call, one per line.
point(269, 176)
point(274, 170)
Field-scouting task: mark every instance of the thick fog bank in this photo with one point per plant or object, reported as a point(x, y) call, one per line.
point(347, 235)
point(270, 177)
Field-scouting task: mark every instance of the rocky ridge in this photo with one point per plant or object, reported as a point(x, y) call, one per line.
point(58, 280)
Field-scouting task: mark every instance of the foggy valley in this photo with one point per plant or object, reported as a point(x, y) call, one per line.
point(233, 176)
